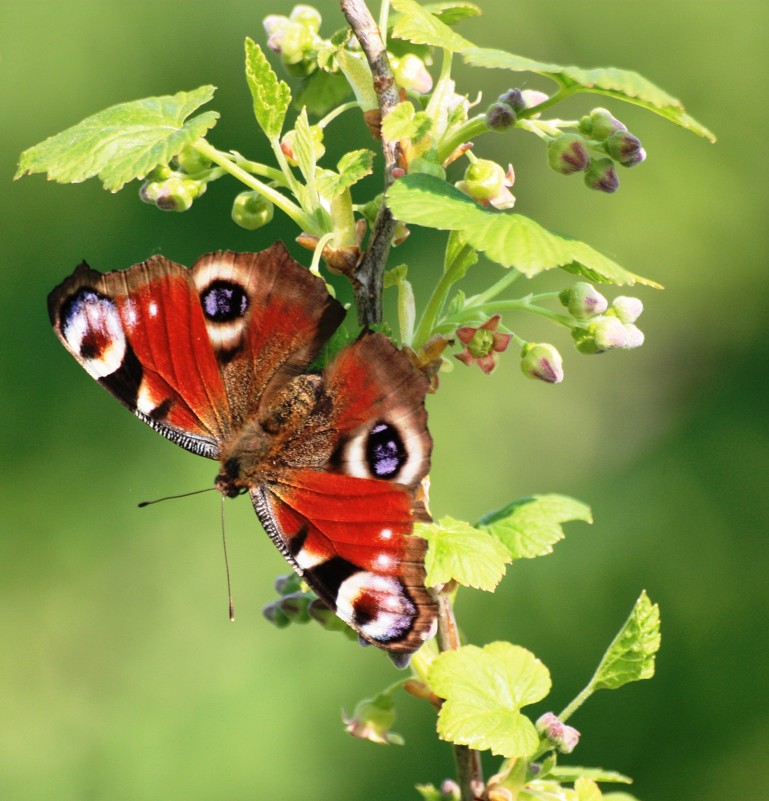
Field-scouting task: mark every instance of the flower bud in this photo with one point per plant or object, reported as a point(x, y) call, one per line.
point(296, 43)
point(450, 790)
point(567, 154)
point(321, 613)
point(625, 148)
point(583, 301)
point(427, 167)
point(411, 74)
point(483, 180)
point(287, 144)
point(635, 337)
point(275, 615)
point(513, 98)
point(533, 97)
point(601, 176)
point(602, 334)
point(251, 210)
point(372, 719)
point(599, 124)
point(306, 15)
point(294, 607)
point(191, 162)
point(290, 582)
point(627, 309)
point(500, 116)
point(542, 361)
point(173, 194)
point(564, 738)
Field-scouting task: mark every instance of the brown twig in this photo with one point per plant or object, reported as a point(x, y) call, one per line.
point(368, 278)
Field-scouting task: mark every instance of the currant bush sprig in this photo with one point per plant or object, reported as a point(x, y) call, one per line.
point(433, 175)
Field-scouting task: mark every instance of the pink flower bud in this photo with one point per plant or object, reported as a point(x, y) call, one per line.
point(627, 309)
point(542, 361)
point(564, 738)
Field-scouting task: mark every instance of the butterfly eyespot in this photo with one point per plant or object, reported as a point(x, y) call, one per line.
point(91, 327)
point(385, 452)
point(223, 301)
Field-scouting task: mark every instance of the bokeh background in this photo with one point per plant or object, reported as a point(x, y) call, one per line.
point(120, 675)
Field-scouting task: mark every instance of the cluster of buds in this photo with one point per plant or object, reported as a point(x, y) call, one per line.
point(487, 183)
point(604, 134)
point(557, 733)
point(602, 326)
point(482, 344)
point(176, 189)
point(296, 605)
point(295, 38)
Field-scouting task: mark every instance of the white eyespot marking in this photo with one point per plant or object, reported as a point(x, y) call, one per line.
point(384, 562)
point(377, 605)
point(152, 308)
point(386, 534)
point(93, 331)
point(129, 314)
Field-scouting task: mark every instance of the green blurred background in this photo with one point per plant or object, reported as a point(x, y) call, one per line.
point(120, 676)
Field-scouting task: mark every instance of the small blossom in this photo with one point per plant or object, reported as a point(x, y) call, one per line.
point(625, 148)
point(601, 176)
point(411, 73)
point(567, 154)
point(482, 344)
point(627, 309)
point(600, 124)
point(635, 337)
point(486, 182)
point(500, 116)
point(533, 97)
point(542, 361)
point(583, 301)
point(513, 98)
point(607, 333)
point(306, 15)
point(564, 738)
point(372, 719)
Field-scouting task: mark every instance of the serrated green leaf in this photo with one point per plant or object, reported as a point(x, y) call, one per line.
point(122, 142)
point(403, 122)
point(304, 147)
point(570, 773)
point(625, 85)
point(531, 526)
point(395, 276)
point(271, 97)
point(461, 552)
point(587, 790)
point(452, 12)
point(484, 690)
point(419, 26)
point(353, 166)
point(631, 655)
point(511, 240)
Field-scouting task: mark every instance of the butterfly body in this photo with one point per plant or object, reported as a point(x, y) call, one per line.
point(216, 359)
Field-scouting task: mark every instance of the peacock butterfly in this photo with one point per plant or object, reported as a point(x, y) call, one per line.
point(216, 358)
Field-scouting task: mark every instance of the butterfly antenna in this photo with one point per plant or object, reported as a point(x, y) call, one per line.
point(227, 568)
point(174, 497)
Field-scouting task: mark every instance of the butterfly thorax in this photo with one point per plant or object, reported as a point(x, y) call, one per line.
point(256, 453)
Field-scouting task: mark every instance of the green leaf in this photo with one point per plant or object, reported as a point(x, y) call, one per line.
point(484, 690)
point(452, 12)
point(587, 790)
point(511, 240)
point(630, 657)
point(531, 526)
point(403, 122)
point(271, 97)
point(358, 75)
point(610, 81)
point(419, 26)
point(122, 142)
point(458, 551)
point(304, 148)
point(321, 91)
point(429, 792)
point(353, 166)
point(619, 797)
point(570, 773)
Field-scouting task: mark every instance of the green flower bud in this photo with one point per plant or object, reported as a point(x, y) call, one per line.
point(372, 720)
point(602, 334)
point(427, 167)
point(513, 98)
point(411, 74)
point(542, 361)
point(583, 301)
point(191, 162)
point(567, 154)
point(275, 615)
point(306, 15)
point(250, 210)
point(173, 194)
point(599, 124)
point(294, 607)
point(483, 180)
point(500, 116)
point(625, 148)
point(628, 310)
point(601, 176)
point(321, 613)
point(564, 738)
point(296, 44)
point(290, 582)
point(160, 173)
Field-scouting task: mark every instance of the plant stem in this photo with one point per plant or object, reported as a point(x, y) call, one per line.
point(368, 281)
